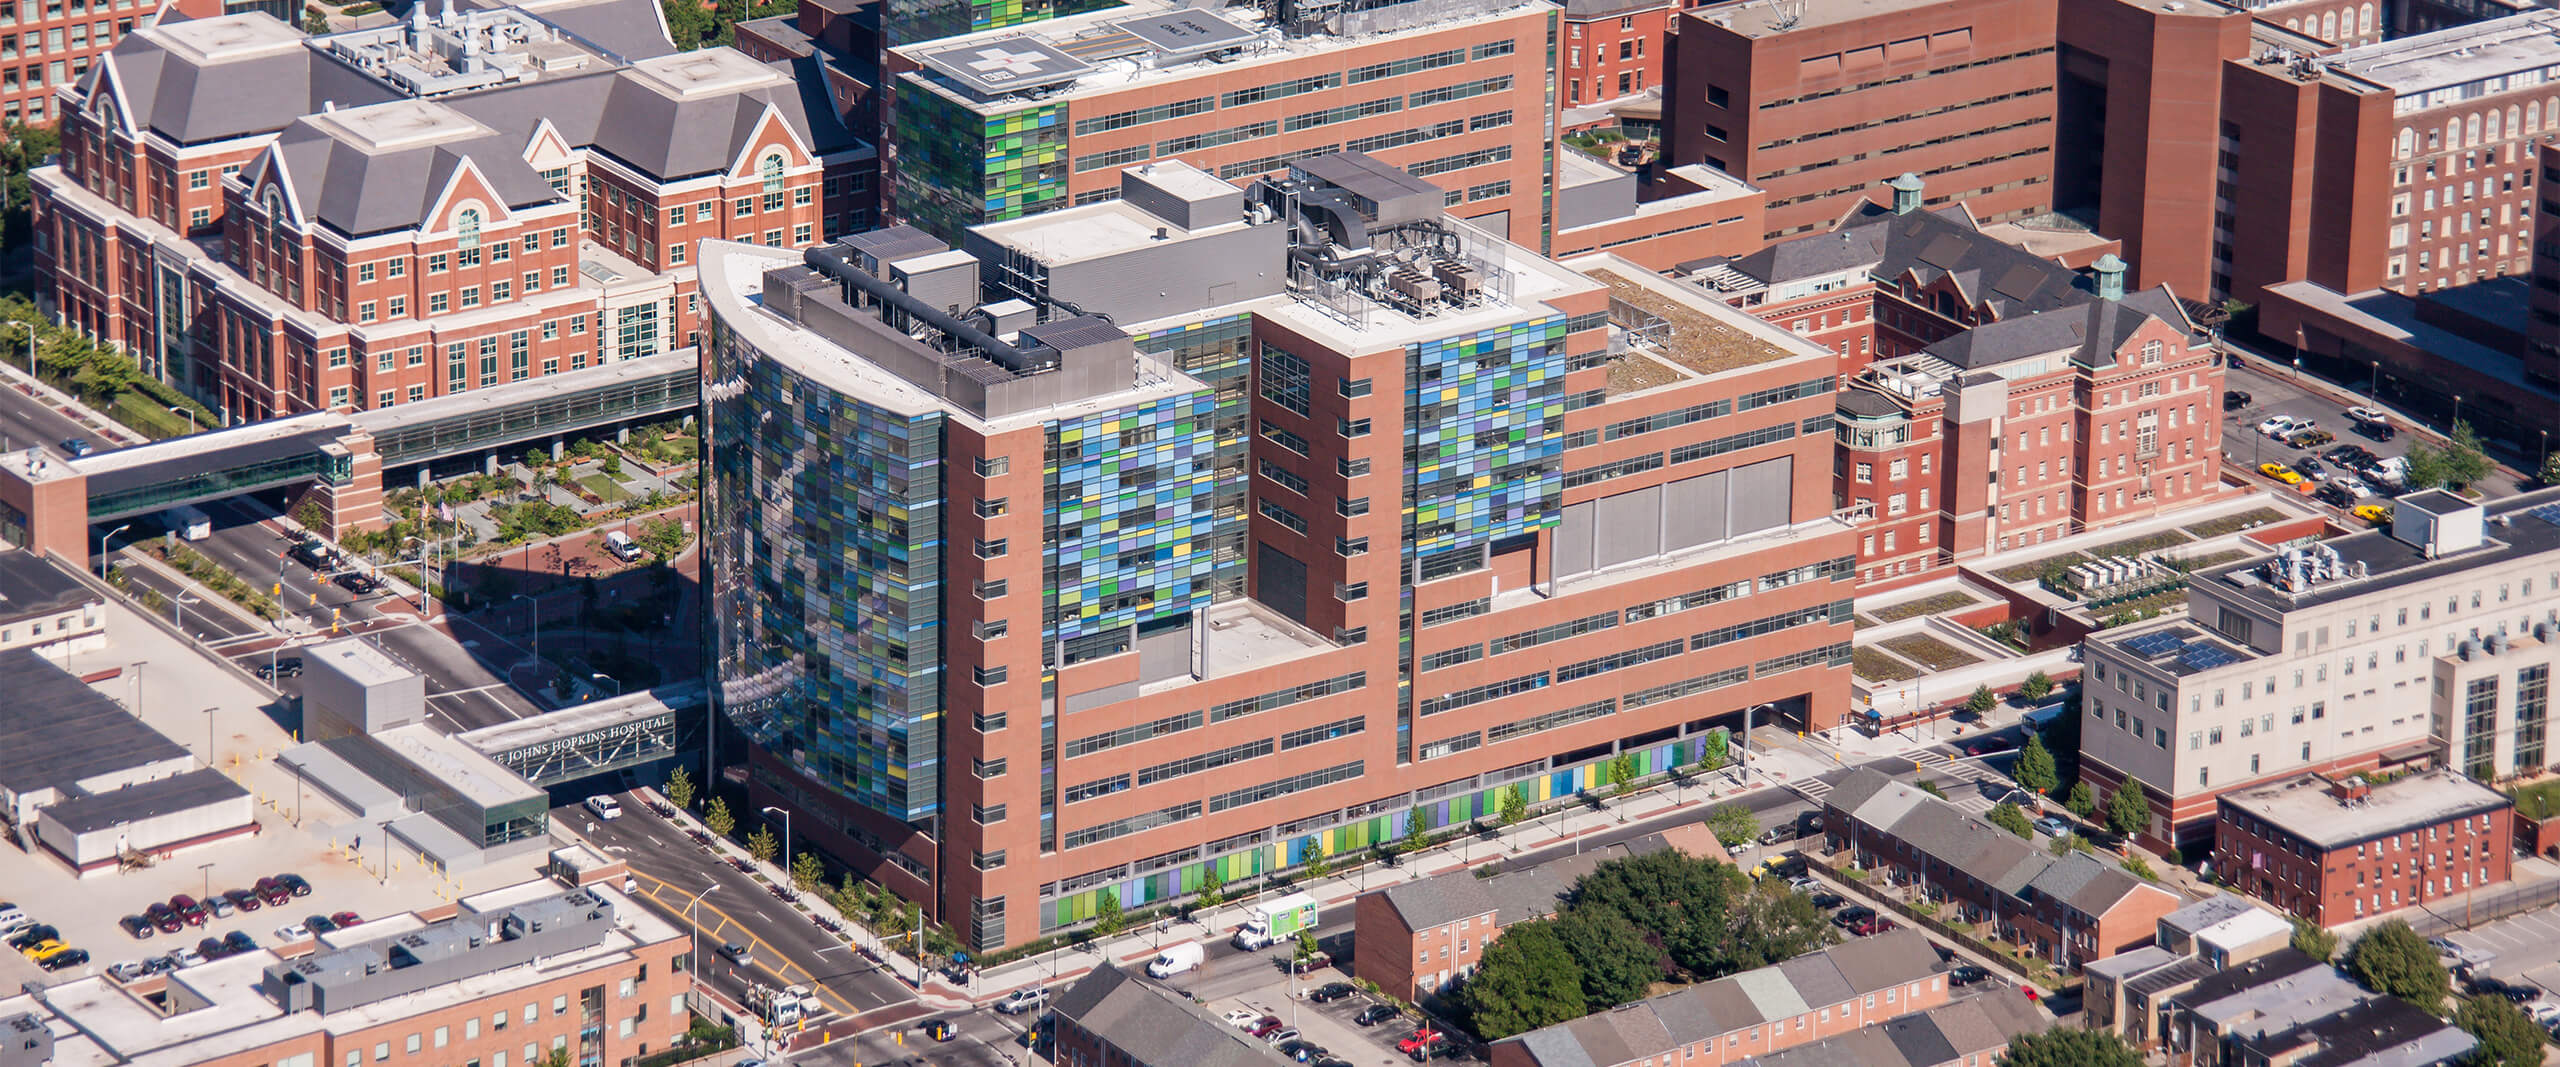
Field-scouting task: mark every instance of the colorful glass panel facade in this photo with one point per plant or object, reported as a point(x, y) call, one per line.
point(1484, 437)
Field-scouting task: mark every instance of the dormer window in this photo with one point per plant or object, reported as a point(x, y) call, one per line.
point(466, 237)
point(771, 169)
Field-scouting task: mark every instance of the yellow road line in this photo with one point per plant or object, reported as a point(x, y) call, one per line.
point(840, 1004)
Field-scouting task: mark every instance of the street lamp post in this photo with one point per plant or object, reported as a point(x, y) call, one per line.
point(207, 868)
point(102, 546)
point(617, 691)
point(693, 969)
point(189, 413)
point(426, 573)
point(786, 831)
point(2457, 415)
point(31, 344)
point(534, 613)
point(208, 736)
point(2373, 385)
point(182, 601)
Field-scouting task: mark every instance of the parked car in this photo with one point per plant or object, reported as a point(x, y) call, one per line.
point(271, 891)
point(2379, 431)
point(2362, 413)
point(320, 924)
point(1873, 926)
point(346, 919)
point(159, 965)
point(1018, 1002)
point(186, 957)
point(164, 917)
point(214, 948)
point(77, 446)
point(1268, 1024)
point(1282, 1035)
point(189, 909)
point(1299, 1049)
point(1424, 1045)
point(2313, 438)
point(127, 971)
point(2234, 400)
point(292, 932)
point(137, 927)
point(2276, 425)
point(1850, 917)
point(1375, 1014)
point(1965, 975)
point(1828, 901)
point(1241, 1018)
point(243, 899)
point(294, 884)
point(2280, 472)
point(44, 950)
point(2054, 826)
point(2310, 467)
point(2376, 514)
point(31, 936)
point(2335, 494)
point(64, 960)
point(1332, 991)
point(220, 908)
point(239, 941)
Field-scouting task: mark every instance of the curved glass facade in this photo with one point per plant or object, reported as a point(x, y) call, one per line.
point(821, 517)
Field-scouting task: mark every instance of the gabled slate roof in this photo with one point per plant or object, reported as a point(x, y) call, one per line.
point(1156, 1026)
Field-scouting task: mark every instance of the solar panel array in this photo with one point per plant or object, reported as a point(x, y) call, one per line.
point(2206, 657)
point(2154, 646)
point(2549, 513)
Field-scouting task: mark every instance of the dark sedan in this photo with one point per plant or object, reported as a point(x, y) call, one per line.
point(1851, 917)
point(1966, 975)
point(1375, 1014)
point(1331, 991)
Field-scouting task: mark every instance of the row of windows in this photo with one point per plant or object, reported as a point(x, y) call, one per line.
point(1326, 732)
point(1687, 687)
point(1460, 91)
point(1714, 409)
point(1450, 746)
point(1898, 79)
point(1558, 632)
point(1821, 386)
point(1835, 612)
point(1606, 471)
point(1278, 90)
point(1455, 612)
point(1617, 661)
point(1345, 113)
point(1452, 657)
point(1461, 161)
point(1766, 435)
point(1408, 65)
point(1480, 694)
point(1214, 138)
point(1130, 735)
point(1204, 761)
point(1281, 515)
point(1123, 827)
point(1297, 783)
point(1560, 717)
point(1835, 655)
point(1273, 701)
point(1141, 116)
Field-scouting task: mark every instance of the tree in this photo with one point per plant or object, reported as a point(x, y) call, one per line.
point(2082, 802)
point(2392, 958)
point(2037, 686)
point(1317, 864)
point(1213, 886)
point(2006, 816)
point(680, 789)
point(557, 1057)
point(2508, 1037)
point(1417, 832)
point(1733, 823)
point(1931, 787)
point(1107, 916)
point(1525, 980)
point(662, 537)
point(2551, 469)
point(2070, 843)
point(315, 21)
point(2310, 940)
point(1982, 700)
point(2035, 770)
point(2070, 1047)
point(1712, 751)
point(806, 873)
point(1616, 961)
point(1515, 805)
point(716, 818)
point(761, 844)
point(1622, 773)
point(2465, 461)
point(612, 465)
point(2129, 810)
point(1306, 949)
point(1772, 923)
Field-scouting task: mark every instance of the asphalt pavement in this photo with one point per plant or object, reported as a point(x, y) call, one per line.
point(26, 420)
point(790, 950)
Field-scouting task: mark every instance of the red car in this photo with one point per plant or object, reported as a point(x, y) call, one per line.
point(1420, 1039)
point(1269, 1024)
point(243, 899)
point(162, 916)
point(272, 891)
point(345, 919)
point(188, 909)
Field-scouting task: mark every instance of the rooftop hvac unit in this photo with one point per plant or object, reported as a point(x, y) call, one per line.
point(1461, 279)
point(1414, 285)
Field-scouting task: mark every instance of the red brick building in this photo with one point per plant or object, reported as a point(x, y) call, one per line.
point(1818, 101)
point(2069, 909)
point(1995, 399)
point(1417, 938)
point(2336, 850)
point(343, 242)
point(1612, 48)
point(57, 40)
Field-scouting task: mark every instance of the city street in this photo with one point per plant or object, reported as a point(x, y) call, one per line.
point(26, 420)
point(789, 949)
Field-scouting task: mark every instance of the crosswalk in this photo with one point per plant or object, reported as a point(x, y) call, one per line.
point(1962, 780)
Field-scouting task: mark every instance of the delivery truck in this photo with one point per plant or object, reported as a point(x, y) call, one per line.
point(1176, 959)
point(1277, 920)
point(188, 522)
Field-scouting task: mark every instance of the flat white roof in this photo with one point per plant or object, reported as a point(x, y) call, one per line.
point(359, 661)
point(1092, 231)
point(2308, 808)
point(457, 764)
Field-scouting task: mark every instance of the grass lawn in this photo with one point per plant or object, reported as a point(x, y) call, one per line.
point(1927, 605)
point(2216, 559)
point(2135, 546)
point(2540, 800)
point(604, 488)
point(2028, 572)
point(1929, 652)
point(2152, 606)
point(2233, 523)
point(1874, 666)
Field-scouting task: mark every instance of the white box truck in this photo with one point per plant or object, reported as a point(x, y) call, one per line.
point(1276, 920)
point(188, 521)
point(1176, 960)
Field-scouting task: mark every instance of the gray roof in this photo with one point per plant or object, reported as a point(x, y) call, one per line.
point(631, 29)
point(359, 192)
point(2091, 331)
point(2128, 964)
point(1513, 896)
point(1925, 246)
point(1945, 1034)
point(193, 103)
point(32, 586)
point(1152, 1025)
point(1958, 841)
point(163, 796)
point(2203, 913)
point(55, 731)
point(2376, 1032)
point(1709, 1010)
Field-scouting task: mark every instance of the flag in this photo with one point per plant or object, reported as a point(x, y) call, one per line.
point(444, 511)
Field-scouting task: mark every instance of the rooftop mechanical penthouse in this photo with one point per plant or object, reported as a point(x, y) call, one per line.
point(1349, 514)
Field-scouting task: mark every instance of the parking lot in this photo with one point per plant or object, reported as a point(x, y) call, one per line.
point(1334, 1024)
point(2272, 390)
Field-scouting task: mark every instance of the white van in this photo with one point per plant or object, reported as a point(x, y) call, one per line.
point(1176, 960)
point(621, 545)
point(605, 807)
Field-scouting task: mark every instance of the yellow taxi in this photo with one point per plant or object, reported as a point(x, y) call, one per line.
point(2281, 473)
point(2374, 513)
point(45, 950)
